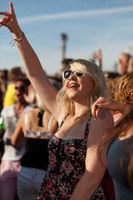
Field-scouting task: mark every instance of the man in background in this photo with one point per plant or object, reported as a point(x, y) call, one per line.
point(13, 75)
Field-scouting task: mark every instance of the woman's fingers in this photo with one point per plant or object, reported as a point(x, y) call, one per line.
point(95, 111)
point(97, 106)
point(8, 17)
point(12, 12)
point(9, 20)
point(11, 8)
point(5, 13)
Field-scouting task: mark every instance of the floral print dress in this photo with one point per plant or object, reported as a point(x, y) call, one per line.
point(66, 167)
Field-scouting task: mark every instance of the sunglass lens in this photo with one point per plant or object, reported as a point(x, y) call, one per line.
point(79, 74)
point(23, 88)
point(67, 73)
point(20, 88)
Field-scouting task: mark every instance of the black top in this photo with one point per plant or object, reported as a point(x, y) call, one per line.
point(36, 153)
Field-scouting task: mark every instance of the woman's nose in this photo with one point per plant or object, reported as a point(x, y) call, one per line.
point(72, 76)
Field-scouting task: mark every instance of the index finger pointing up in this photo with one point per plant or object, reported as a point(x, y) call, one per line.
point(11, 8)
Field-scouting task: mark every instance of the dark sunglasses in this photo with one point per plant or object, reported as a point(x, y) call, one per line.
point(67, 73)
point(2, 77)
point(23, 88)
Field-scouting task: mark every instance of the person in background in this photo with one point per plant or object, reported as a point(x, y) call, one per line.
point(65, 64)
point(2, 130)
point(13, 75)
point(75, 170)
point(130, 65)
point(119, 152)
point(97, 56)
point(123, 60)
point(121, 89)
point(10, 164)
point(3, 86)
point(35, 127)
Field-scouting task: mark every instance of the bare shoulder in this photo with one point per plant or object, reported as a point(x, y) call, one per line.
point(101, 126)
point(105, 117)
point(32, 112)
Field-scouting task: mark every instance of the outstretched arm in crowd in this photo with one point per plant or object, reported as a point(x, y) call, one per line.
point(31, 62)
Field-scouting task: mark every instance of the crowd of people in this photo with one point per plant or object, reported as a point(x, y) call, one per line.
point(68, 137)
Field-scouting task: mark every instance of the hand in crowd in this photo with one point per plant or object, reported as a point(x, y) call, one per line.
point(9, 20)
point(98, 55)
point(103, 103)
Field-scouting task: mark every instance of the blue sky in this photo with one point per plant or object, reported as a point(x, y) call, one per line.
point(89, 25)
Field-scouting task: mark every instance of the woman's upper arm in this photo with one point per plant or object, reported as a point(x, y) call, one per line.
point(18, 136)
point(46, 92)
point(53, 126)
point(98, 128)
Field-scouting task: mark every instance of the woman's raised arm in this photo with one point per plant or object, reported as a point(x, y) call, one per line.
point(31, 62)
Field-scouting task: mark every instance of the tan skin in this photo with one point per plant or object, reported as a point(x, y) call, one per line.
point(119, 116)
point(103, 103)
point(72, 128)
point(114, 105)
point(20, 105)
point(18, 135)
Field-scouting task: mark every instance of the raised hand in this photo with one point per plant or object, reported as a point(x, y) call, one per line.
point(103, 103)
point(10, 21)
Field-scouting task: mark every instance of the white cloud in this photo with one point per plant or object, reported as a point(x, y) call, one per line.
point(74, 14)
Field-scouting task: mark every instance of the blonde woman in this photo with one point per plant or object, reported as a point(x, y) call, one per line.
point(74, 170)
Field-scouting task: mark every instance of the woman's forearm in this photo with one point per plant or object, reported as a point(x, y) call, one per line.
point(31, 62)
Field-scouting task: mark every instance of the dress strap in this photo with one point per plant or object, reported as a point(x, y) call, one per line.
point(62, 122)
point(26, 121)
point(86, 132)
point(50, 121)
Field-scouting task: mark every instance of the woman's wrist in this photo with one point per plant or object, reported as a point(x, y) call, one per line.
point(18, 33)
point(123, 107)
point(17, 37)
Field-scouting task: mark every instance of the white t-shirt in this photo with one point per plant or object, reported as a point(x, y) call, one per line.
point(10, 122)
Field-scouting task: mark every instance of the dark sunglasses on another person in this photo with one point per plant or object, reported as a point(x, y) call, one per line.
point(2, 77)
point(67, 73)
point(22, 88)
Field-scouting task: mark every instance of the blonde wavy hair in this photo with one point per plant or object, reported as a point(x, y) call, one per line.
point(88, 67)
point(125, 88)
